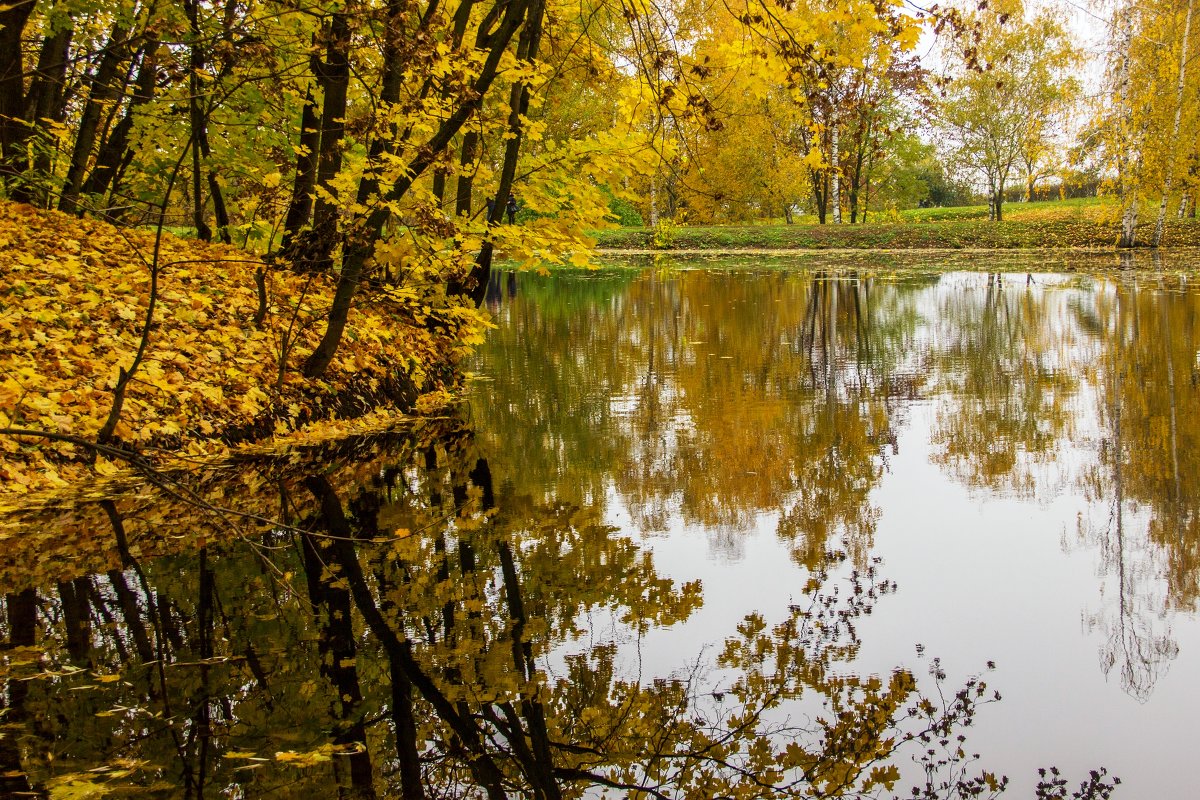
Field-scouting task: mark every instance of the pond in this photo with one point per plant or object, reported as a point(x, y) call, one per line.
point(709, 532)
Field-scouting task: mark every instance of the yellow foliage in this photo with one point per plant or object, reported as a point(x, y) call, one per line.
point(74, 306)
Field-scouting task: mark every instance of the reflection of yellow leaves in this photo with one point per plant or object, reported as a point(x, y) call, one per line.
point(69, 787)
point(313, 757)
point(93, 783)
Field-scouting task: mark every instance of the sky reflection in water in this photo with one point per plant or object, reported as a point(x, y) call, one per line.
point(1020, 451)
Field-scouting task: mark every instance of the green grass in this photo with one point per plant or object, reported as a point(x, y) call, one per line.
point(1093, 209)
point(1081, 223)
point(908, 262)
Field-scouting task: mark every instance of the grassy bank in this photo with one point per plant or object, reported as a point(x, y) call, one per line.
point(1089, 224)
point(220, 367)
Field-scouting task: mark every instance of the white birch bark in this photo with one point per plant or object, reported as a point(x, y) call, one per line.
point(836, 176)
point(1183, 54)
point(1126, 180)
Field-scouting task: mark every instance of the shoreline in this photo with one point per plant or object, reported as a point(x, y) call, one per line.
point(216, 359)
point(784, 251)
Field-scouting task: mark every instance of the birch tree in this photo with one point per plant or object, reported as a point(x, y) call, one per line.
point(1007, 83)
point(1149, 118)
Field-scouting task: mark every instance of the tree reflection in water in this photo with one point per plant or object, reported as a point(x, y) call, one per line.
point(710, 399)
point(424, 634)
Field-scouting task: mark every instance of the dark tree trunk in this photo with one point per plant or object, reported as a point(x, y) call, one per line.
point(540, 766)
point(819, 198)
point(220, 210)
point(47, 91)
point(201, 150)
point(854, 187)
point(474, 286)
point(862, 144)
point(332, 603)
point(46, 102)
point(77, 620)
point(439, 185)
point(13, 129)
point(116, 148)
point(21, 611)
point(461, 18)
point(334, 75)
point(389, 94)
point(103, 89)
point(820, 191)
point(466, 178)
point(300, 207)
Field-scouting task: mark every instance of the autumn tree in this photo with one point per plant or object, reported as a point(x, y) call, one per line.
point(355, 139)
point(1009, 79)
point(1147, 123)
point(770, 110)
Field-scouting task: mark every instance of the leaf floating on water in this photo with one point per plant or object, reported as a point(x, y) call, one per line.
point(320, 755)
point(76, 787)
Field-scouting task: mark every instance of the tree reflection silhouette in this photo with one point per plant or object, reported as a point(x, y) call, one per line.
point(396, 639)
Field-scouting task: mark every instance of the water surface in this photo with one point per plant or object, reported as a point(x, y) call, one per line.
point(1017, 451)
point(696, 531)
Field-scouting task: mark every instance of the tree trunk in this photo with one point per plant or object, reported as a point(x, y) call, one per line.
point(538, 758)
point(103, 90)
point(201, 151)
point(475, 284)
point(1160, 223)
point(1128, 236)
point(835, 175)
point(77, 621)
point(13, 130)
point(339, 553)
point(332, 606)
point(220, 210)
point(45, 102)
point(464, 187)
point(334, 74)
point(300, 206)
point(1127, 176)
point(21, 615)
point(461, 19)
point(862, 141)
point(116, 146)
point(820, 193)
